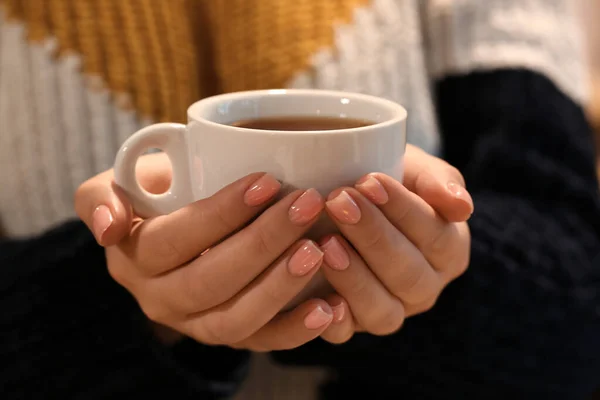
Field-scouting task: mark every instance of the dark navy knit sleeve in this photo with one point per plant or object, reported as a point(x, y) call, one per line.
point(68, 331)
point(524, 320)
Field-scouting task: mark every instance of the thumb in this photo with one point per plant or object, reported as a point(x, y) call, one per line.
point(104, 207)
point(438, 183)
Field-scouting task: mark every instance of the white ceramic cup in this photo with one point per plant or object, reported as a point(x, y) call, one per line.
point(208, 153)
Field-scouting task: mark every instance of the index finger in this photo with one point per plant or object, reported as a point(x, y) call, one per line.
point(165, 242)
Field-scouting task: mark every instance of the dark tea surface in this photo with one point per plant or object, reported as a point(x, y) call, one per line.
point(302, 123)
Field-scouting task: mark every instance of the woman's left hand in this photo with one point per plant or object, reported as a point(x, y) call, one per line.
point(401, 245)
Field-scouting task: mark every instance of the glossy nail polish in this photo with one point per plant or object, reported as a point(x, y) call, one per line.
point(373, 190)
point(459, 192)
point(102, 219)
point(318, 318)
point(344, 208)
point(306, 207)
point(335, 255)
point(305, 259)
point(261, 191)
point(338, 313)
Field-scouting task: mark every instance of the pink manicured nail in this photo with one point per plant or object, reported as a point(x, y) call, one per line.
point(335, 255)
point(306, 207)
point(261, 191)
point(373, 190)
point(460, 193)
point(317, 318)
point(307, 257)
point(102, 219)
point(338, 313)
point(344, 208)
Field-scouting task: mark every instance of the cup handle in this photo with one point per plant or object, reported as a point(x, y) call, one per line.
point(171, 139)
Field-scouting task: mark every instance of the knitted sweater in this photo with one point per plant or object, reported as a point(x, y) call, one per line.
point(499, 81)
point(78, 76)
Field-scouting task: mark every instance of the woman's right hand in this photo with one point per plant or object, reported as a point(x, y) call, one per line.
point(208, 273)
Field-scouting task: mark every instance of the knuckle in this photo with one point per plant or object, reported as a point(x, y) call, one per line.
point(359, 288)
point(166, 250)
point(197, 293)
point(441, 242)
point(265, 241)
point(275, 294)
point(223, 216)
point(405, 210)
point(387, 322)
point(157, 249)
point(411, 279)
point(377, 240)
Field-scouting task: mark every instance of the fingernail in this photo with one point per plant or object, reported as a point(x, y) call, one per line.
point(459, 191)
point(373, 190)
point(344, 208)
point(306, 207)
point(261, 191)
point(335, 255)
point(338, 313)
point(317, 318)
point(102, 219)
point(307, 257)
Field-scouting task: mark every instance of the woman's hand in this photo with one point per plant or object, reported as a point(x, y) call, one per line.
point(104, 207)
point(232, 294)
point(401, 245)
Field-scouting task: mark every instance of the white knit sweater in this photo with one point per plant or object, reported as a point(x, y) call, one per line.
point(55, 132)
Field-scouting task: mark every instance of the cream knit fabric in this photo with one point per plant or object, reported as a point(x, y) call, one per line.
point(59, 125)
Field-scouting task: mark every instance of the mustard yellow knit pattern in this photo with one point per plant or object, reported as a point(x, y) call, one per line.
point(264, 43)
point(159, 56)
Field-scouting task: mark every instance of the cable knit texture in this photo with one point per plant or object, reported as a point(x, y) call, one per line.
point(77, 77)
